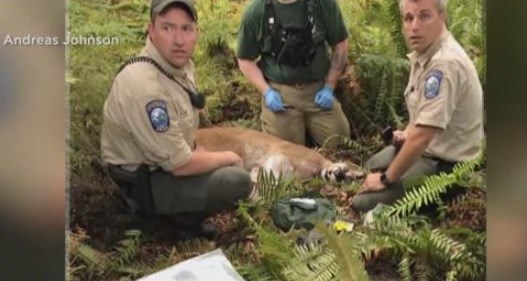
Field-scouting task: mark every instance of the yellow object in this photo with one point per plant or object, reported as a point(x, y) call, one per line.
point(341, 225)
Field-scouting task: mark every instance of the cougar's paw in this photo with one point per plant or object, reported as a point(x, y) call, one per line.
point(335, 172)
point(339, 172)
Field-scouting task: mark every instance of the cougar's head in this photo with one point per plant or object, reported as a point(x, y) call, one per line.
point(339, 172)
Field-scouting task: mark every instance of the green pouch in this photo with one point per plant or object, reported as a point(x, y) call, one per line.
point(302, 212)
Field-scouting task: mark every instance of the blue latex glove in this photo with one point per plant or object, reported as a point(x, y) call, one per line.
point(273, 101)
point(324, 98)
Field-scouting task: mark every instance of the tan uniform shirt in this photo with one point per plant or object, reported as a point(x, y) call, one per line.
point(444, 92)
point(148, 118)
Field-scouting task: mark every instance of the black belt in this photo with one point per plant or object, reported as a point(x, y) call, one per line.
point(441, 160)
point(135, 187)
point(442, 164)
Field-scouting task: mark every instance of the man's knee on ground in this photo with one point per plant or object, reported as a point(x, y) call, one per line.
point(367, 201)
point(362, 202)
point(329, 137)
point(381, 159)
point(236, 182)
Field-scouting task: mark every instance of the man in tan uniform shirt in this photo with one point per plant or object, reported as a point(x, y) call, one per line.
point(149, 120)
point(445, 104)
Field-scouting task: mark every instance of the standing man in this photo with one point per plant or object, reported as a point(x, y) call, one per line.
point(283, 51)
point(150, 119)
point(445, 104)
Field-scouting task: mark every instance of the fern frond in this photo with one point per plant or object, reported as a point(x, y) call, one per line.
point(422, 271)
point(94, 260)
point(275, 248)
point(397, 120)
point(194, 247)
point(128, 248)
point(429, 250)
point(256, 272)
point(136, 269)
point(467, 201)
point(381, 97)
point(355, 146)
point(432, 188)
point(272, 187)
point(268, 185)
point(312, 262)
point(404, 268)
point(351, 267)
point(451, 276)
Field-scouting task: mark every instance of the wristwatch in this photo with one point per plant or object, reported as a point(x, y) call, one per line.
point(384, 180)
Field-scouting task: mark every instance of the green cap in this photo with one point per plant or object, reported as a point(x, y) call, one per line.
point(158, 6)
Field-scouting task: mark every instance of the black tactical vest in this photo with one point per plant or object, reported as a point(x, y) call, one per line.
point(292, 45)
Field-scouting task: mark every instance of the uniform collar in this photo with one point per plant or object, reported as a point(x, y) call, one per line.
point(422, 59)
point(152, 52)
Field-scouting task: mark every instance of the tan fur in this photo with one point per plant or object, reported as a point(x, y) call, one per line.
point(259, 149)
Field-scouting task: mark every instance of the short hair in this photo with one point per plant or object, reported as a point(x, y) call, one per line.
point(440, 4)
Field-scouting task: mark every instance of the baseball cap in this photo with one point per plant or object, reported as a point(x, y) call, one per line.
point(158, 6)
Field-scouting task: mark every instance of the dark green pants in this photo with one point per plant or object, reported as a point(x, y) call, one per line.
point(423, 167)
point(199, 196)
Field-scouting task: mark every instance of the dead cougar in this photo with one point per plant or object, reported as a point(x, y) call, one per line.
point(261, 150)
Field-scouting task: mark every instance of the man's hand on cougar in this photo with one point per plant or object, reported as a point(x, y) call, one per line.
point(273, 100)
point(235, 160)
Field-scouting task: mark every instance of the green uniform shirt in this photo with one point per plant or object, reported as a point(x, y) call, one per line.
point(253, 31)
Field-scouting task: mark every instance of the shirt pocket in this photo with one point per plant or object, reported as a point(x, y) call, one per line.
point(184, 119)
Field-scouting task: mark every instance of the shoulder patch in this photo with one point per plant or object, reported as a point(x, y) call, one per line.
point(158, 115)
point(433, 83)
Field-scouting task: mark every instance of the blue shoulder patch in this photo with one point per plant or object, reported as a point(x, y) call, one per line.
point(433, 83)
point(158, 115)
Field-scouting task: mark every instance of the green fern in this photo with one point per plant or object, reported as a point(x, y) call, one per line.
point(271, 187)
point(275, 248)
point(256, 272)
point(383, 79)
point(95, 261)
point(381, 98)
point(431, 189)
point(438, 251)
point(312, 262)
point(391, 14)
point(128, 248)
point(425, 253)
point(404, 268)
point(337, 258)
point(467, 202)
point(350, 266)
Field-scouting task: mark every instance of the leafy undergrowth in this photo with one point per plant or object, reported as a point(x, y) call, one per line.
point(108, 243)
point(422, 238)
